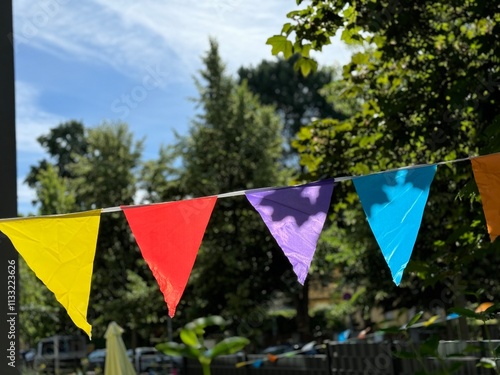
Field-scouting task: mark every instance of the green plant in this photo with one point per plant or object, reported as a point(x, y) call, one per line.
point(193, 346)
point(489, 312)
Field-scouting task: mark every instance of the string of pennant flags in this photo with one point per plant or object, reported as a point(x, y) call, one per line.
point(259, 362)
point(60, 249)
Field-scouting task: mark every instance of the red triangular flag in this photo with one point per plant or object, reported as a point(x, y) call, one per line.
point(169, 236)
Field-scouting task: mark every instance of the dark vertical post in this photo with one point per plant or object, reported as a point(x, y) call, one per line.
point(9, 286)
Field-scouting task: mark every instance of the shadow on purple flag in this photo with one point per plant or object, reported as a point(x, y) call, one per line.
point(394, 204)
point(295, 217)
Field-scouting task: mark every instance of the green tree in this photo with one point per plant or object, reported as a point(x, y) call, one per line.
point(62, 144)
point(297, 98)
point(426, 77)
point(102, 174)
point(235, 143)
point(54, 193)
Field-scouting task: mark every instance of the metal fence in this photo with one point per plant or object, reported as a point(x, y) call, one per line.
point(357, 358)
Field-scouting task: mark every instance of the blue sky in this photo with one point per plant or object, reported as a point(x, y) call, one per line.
point(99, 60)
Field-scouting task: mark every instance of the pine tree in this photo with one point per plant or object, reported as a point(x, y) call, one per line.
point(234, 144)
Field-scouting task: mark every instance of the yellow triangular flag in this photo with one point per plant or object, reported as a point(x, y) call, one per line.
point(60, 249)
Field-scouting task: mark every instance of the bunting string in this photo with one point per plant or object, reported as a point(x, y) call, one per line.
point(60, 249)
point(107, 210)
point(337, 179)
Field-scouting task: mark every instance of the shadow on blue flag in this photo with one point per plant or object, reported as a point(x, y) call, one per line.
point(394, 204)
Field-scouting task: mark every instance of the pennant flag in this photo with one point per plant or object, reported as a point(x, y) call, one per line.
point(487, 175)
point(295, 217)
point(257, 363)
point(272, 358)
point(394, 204)
point(344, 335)
point(452, 316)
point(60, 249)
point(169, 236)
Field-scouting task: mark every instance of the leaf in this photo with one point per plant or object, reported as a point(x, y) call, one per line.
point(487, 363)
point(492, 309)
point(190, 338)
point(306, 65)
point(351, 35)
point(171, 348)
point(286, 28)
point(379, 40)
point(199, 324)
point(306, 48)
point(360, 58)
point(349, 11)
point(175, 349)
point(280, 44)
point(229, 345)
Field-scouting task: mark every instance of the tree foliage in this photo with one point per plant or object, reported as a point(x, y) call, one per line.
point(234, 144)
point(62, 144)
point(297, 98)
point(426, 80)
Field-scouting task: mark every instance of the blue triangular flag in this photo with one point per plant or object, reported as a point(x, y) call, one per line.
point(394, 204)
point(257, 363)
point(344, 335)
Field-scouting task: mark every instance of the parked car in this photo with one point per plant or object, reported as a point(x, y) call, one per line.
point(150, 360)
point(96, 359)
point(28, 357)
point(60, 354)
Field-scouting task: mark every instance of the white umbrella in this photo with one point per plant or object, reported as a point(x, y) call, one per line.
point(117, 362)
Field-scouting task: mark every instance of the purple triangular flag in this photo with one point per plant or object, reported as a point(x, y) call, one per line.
point(295, 217)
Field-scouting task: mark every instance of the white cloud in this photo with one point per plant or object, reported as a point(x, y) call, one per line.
point(31, 121)
point(25, 196)
point(132, 36)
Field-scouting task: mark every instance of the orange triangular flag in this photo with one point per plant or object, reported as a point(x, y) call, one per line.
point(60, 249)
point(272, 358)
point(487, 175)
point(169, 236)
